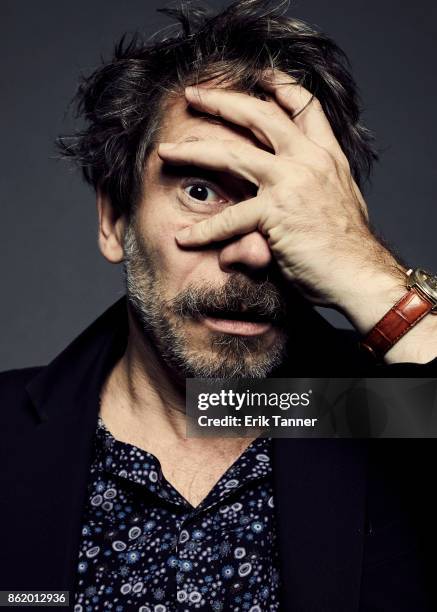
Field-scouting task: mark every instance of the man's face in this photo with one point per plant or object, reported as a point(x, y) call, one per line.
point(210, 312)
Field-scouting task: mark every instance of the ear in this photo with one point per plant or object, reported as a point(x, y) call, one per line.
point(111, 229)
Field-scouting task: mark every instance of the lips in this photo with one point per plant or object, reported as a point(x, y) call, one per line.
point(239, 328)
point(239, 315)
point(237, 322)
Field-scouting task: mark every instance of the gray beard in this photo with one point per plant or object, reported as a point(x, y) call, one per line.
point(228, 355)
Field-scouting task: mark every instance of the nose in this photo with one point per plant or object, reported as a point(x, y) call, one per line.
point(249, 252)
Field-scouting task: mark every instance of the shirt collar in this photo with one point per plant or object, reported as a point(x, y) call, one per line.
point(138, 466)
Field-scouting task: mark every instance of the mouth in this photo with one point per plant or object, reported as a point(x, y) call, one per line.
point(243, 323)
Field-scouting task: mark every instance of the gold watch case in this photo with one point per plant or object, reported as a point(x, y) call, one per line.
point(426, 283)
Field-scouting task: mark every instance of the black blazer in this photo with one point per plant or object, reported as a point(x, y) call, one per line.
point(356, 518)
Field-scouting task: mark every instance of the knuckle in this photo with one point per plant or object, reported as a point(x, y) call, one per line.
point(204, 229)
point(228, 219)
point(281, 194)
point(269, 110)
point(293, 93)
point(237, 149)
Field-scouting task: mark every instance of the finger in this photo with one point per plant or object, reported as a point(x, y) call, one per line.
point(305, 108)
point(239, 219)
point(266, 120)
point(240, 159)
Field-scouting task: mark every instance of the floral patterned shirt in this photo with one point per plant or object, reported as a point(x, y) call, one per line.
point(144, 547)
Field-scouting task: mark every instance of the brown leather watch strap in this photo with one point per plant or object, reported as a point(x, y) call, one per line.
point(408, 311)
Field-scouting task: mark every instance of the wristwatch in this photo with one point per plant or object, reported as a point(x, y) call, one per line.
point(420, 300)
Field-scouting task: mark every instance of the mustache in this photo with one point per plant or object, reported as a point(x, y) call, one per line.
point(238, 298)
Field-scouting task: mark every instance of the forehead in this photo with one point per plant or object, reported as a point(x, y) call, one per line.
point(181, 123)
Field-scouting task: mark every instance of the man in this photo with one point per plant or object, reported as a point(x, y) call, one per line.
point(235, 207)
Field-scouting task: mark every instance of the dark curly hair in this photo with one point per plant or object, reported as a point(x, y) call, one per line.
point(122, 100)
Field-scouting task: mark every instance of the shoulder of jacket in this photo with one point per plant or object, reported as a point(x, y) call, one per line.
point(19, 375)
point(13, 382)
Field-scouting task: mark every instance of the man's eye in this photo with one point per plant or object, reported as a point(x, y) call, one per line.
point(203, 193)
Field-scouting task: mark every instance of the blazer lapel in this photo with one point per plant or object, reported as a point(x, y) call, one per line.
point(65, 396)
point(320, 488)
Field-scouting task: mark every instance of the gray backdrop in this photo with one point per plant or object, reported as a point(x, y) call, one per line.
point(54, 282)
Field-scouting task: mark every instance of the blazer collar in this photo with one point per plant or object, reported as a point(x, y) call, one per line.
point(79, 371)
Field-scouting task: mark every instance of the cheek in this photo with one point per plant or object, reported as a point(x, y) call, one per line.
point(180, 267)
point(177, 267)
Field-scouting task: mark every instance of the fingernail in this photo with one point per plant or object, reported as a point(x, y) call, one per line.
point(183, 234)
point(166, 146)
point(195, 92)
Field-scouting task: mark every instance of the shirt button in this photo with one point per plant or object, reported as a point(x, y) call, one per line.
point(184, 536)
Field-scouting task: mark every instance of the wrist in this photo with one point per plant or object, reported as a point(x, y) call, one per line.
point(417, 344)
point(373, 293)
